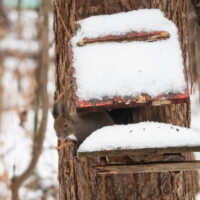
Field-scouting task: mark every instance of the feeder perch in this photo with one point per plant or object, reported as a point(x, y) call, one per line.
point(142, 139)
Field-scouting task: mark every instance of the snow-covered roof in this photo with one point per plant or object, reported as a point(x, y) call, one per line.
point(140, 136)
point(109, 69)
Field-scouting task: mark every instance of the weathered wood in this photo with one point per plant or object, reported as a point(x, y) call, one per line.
point(148, 167)
point(145, 151)
point(129, 102)
point(133, 36)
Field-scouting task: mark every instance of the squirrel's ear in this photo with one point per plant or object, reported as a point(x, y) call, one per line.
point(64, 110)
point(55, 110)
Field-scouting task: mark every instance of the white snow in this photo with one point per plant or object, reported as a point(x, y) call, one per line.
point(127, 68)
point(72, 137)
point(139, 136)
point(146, 20)
point(197, 197)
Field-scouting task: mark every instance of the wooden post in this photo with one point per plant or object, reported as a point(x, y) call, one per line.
point(146, 168)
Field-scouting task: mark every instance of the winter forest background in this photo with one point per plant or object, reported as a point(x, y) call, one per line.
point(20, 109)
point(20, 46)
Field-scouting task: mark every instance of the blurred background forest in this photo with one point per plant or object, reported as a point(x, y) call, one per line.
point(23, 47)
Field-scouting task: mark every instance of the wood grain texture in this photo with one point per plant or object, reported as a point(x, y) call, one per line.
point(145, 151)
point(147, 168)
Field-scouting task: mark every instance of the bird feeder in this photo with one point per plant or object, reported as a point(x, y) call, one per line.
point(118, 62)
point(139, 140)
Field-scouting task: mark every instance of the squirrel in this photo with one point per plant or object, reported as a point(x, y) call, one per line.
point(77, 126)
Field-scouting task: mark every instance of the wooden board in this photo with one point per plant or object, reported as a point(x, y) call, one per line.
point(127, 102)
point(147, 168)
point(145, 151)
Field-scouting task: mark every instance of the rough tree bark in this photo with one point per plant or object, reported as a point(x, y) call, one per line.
point(196, 4)
point(77, 178)
point(194, 32)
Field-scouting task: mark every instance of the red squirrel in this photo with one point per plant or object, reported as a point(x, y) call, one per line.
point(77, 126)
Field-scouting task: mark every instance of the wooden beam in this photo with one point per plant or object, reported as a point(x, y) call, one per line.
point(128, 102)
point(147, 168)
point(145, 151)
point(133, 36)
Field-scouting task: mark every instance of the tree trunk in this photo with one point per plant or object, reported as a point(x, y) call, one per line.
point(194, 32)
point(78, 180)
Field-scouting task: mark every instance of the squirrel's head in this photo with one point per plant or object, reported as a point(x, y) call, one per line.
point(64, 127)
point(63, 123)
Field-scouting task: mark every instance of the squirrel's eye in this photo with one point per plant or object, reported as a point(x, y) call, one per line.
point(65, 126)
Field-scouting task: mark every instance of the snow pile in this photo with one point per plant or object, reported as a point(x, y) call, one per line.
point(139, 136)
point(111, 69)
point(146, 20)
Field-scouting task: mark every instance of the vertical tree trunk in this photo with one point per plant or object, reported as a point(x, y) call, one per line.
point(194, 31)
point(77, 178)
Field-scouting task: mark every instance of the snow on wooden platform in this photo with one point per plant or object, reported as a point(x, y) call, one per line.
point(133, 68)
point(144, 135)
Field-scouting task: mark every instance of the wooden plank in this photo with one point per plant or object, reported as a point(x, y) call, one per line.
point(145, 151)
point(147, 168)
point(129, 102)
point(132, 36)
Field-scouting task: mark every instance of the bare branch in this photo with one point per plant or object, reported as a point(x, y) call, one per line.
point(132, 36)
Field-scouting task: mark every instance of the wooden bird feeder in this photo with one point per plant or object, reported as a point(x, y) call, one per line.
point(134, 167)
point(143, 139)
point(126, 65)
point(124, 101)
